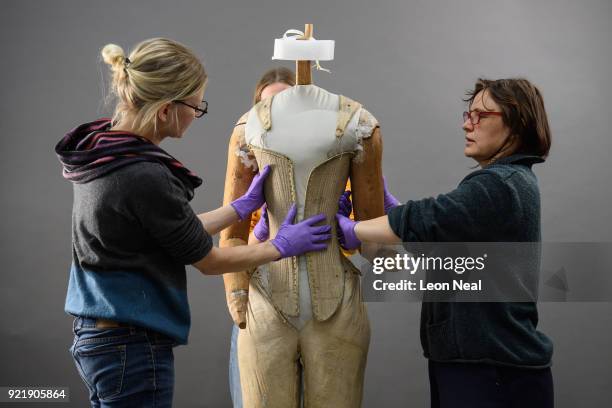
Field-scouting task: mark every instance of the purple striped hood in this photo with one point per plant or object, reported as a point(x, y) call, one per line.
point(91, 150)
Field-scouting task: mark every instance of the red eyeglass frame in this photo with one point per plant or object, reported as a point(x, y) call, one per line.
point(468, 114)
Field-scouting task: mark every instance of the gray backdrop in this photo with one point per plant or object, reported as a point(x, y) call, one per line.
point(408, 62)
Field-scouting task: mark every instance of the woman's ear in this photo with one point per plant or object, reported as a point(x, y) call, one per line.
point(163, 113)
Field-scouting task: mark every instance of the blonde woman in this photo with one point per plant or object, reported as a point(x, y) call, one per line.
point(134, 231)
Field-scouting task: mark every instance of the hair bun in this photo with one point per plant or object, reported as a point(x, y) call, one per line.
point(113, 55)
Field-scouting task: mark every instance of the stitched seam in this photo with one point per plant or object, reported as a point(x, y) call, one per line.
point(123, 350)
point(294, 259)
point(102, 339)
point(293, 292)
point(152, 358)
point(81, 372)
point(273, 153)
point(280, 314)
point(314, 292)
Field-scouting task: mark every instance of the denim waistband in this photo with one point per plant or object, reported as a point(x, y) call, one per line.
point(152, 335)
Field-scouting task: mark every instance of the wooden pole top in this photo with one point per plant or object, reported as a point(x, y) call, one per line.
point(303, 72)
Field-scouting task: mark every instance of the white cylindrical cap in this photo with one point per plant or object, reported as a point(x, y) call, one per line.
point(292, 49)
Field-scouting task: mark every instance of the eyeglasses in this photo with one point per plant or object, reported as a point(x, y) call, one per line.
point(474, 116)
point(199, 112)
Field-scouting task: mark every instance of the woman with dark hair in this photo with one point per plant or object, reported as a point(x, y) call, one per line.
point(482, 354)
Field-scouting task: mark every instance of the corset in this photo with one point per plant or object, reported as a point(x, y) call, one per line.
point(308, 136)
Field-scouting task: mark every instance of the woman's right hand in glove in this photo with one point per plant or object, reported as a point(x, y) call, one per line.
point(297, 239)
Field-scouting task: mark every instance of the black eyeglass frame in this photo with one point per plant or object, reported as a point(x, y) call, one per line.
point(199, 112)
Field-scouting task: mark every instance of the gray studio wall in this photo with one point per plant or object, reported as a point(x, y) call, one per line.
point(409, 62)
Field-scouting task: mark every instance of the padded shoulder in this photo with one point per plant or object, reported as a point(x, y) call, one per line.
point(367, 124)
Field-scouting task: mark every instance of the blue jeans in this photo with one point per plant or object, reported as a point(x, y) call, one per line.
point(234, 370)
point(124, 366)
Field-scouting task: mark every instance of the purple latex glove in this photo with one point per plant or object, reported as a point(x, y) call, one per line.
point(345, 207)
point(346, 232)
point(390, 200)
point(254, 197)
point(296, 239)
point(262, 230)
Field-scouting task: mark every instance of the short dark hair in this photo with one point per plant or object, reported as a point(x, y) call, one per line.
point(522, 107)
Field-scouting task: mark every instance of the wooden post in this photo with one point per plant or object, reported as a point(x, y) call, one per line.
point(303, 72)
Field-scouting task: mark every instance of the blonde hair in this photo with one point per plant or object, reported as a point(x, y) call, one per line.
point(156, 72)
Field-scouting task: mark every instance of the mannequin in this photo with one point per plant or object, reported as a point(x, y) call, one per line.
point(303, 319)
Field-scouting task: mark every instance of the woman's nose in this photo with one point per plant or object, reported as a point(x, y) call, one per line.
point(467, 125)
